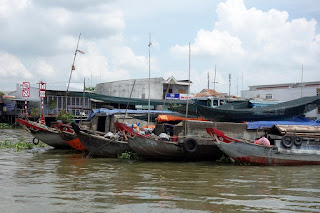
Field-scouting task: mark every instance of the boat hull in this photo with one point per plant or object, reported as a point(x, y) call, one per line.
point(51, 138)
point(100, 146)
point(45, 134)
point(73, 141)
point(306, 153)
point(156, 149)
point(279, 111)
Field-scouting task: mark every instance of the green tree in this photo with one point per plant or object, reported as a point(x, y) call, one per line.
point(90, 88)
point(65, 116)
point(52, 105)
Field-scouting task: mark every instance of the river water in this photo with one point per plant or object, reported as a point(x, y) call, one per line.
point(49, 180)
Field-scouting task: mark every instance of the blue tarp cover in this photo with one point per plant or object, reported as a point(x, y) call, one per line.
point(299, 120)
point(109, 112)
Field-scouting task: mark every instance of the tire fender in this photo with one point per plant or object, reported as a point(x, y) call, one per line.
point(298, 141)
point(35, 141)
point(190, 145)
point(287, 141)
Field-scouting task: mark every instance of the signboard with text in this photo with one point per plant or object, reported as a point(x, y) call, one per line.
point(175, 96)
point(26, 89)
point(42, 90)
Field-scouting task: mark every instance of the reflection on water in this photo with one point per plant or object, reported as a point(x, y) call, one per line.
point(48, 180)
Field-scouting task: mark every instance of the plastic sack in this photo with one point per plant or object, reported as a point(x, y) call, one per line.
point(109, 135)
point(262, 141)
point(164, 136)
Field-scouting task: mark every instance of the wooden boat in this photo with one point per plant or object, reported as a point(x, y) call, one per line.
point(150, 147)
point(100, 146)
point(189, 148)
point(155, 148)
point(70, 137)
point(48, 135)
point(293, 148)
point(278, 111)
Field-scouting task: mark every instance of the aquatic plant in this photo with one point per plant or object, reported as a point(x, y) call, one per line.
point(21, 144)
point(129, 155)
point(4, 126)
point(225, 159)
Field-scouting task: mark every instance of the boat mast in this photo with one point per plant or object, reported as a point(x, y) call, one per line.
point(149, 79)
point(187, 107)
point(72, 68)
point(301, 79)
point(125, 115)
point(83, 101)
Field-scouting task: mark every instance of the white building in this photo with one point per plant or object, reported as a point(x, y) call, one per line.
point(175, 89)
point(285, 92)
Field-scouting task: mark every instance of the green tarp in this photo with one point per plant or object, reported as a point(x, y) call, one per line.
point(131, 101)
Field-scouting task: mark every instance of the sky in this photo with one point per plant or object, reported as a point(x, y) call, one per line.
point(256, 42)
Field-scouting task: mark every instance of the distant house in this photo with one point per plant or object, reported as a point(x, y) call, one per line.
point(285, 92)
point(208, 93)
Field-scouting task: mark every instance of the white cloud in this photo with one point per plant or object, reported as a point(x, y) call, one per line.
point(9, 7)
point(11, 69)
point(256, 43)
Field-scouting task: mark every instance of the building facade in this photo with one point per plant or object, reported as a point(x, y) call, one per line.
point(140, 88)
point(55, 100)
point(285, 92)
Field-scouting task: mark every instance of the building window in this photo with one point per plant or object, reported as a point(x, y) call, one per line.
point(268, 96)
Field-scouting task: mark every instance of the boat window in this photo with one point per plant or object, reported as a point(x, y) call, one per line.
point(222, 102)
point(215, 103)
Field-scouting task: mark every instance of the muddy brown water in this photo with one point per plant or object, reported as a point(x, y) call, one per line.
point(49, 180)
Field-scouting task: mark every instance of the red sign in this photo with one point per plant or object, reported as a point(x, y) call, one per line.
point(26, 89)
point(42, 89)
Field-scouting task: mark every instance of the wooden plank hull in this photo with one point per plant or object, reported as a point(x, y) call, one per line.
point(73, 141)
point(45, 134)
point(156, 149)
point(262, 155)
point(279, 111)
point(308, 153)
point(102, 147)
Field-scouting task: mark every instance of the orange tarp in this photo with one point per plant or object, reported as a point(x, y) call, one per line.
point(164, 118)
point(76, 144)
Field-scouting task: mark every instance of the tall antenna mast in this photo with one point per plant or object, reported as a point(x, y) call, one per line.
point(215, 75)
point(73, 68)
point(149, 79)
